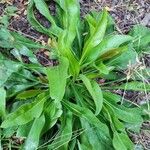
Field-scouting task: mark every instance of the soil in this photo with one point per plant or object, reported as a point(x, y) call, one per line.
point(126, 13)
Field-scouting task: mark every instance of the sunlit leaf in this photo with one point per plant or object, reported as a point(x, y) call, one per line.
point(95, 91)
point(33, 138)
point(25, 113)
point(2, 102)
point(57, 76)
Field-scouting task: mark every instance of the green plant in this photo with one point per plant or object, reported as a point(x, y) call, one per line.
point(63, 106)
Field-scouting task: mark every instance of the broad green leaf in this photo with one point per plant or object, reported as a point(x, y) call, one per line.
point(130, 115)
point(92, 23)
point(121, 62)
point(16, 87)
point(113, 52)
point(109, 44)
point(25, 113)
point(122, 142)
point(52, 113)
point(23, 130)
point(57, 76)
point(33, 21)
point(84, 144)
point(53, 30)
point(15, 39)
point(102, 68)
point(89, 116)
point(28, 94)
point(95, 38)
point(80, 99)
point(33, 138)
point(7, 67)
point(95, 91)
point(20, 40)
point(141, 36)
point(115, 124)
point(8, 132)
point(19, 81)
point(6, 39)
point(2, 102)
point(110, 23)
point(66, 51)
point(70, 9)
point(43, 9)
point(94, 137)
point(114, 97)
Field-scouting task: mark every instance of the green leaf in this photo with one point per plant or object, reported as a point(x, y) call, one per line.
point(16, 87)
point(25, 113)
point(115, 123)
point(130, 115)
point(7, 68)
point(6, 39)
point(20, 41)
point(33, 138)
point(113, 52)
point(94, 137)
point(33, 21)
point(52, 112)
point(70, 9)
point(2, 102)
point(95, 91)
point(133, 85)
point(95, 38)
point(107, 45)
point(57, 76)
point(89, 116)
point(43, 9)
point(122, 142)
point(102, 68)
point(28, 94)
point(23, 130)
point(121, 62)
point(62, 139)
point(41, 6)
point(113, 97)
point(141, 36)
point(66, 51)
point(92, 23)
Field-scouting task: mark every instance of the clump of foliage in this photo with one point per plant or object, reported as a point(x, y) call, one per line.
point(62, 106)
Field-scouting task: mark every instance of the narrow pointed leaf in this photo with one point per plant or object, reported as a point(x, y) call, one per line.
point(62, 139)
point(43, 9)
point(95, 91)
point(2, 102)
point(33, 138)
point(133, 85)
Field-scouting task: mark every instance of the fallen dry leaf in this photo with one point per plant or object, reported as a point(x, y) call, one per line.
point(6, 1)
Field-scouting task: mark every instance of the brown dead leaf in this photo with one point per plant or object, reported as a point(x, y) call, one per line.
point(6, 1)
